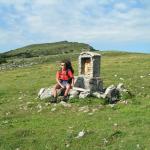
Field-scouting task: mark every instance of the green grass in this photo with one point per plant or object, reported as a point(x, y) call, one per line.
point(107, 127)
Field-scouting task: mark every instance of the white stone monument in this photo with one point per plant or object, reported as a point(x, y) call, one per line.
point(89, 72)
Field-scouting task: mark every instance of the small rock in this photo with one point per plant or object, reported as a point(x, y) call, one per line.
point(141, 77)
point(138, 145)
point(5, 122)
point(65, 104)
point(105, 141)
point(53, 109)
point(84, 109)
point(39, 106)
point(124, 102)
point(109, 118)
point(94, 109)
point(7, 113)
point(80, 134)
point(115, 124)
point(46, 104)
point(90, 114)
point(67, 145)
point(122, 79)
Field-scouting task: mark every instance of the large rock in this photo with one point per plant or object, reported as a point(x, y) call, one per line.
point(74, 94)
point(121, 87)
point(112, 94)
point(44, 93)
point(84, 94)
point(98, 95)
point(79, 82)
point(124, 93)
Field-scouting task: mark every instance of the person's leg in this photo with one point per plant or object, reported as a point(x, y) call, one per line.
point(68, 87)
point(54, 92)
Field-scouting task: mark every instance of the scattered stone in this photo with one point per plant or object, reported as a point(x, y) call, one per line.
point(109, 118)
point(90, 114)
point(70, 127)
point(84, 109)
point(105, 141)
point(80, 134)
point(7, 113)
point(39, 107)
point(25, 108)
point(39, 110)
point(121, 79)
point(124, 102)
point(67, 145)
point(115, 124)
point(20, 98)
point(65, 104)
point(138, 145)
point(54, 104)
point(5, 122)
point(94, 109)
point(46, 104)
point(84, 94)
point(53, 109)
point(141, 77)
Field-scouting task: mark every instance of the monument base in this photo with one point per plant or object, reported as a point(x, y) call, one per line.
point(91, 84)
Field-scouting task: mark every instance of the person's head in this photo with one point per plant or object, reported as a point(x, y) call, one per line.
point(62, 64)
point(69, 65)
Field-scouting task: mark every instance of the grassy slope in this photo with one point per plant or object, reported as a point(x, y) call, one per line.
point(120, 127)
point(35, 50)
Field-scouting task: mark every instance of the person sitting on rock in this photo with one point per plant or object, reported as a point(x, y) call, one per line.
point(65, 80)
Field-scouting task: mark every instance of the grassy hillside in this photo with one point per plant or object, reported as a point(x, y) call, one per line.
point(45, 49)
point(29, 123)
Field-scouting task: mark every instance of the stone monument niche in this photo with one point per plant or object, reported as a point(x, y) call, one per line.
point(89, 72)
point(86, 68)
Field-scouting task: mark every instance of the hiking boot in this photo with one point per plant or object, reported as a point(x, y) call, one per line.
point(65, 98)
point(53, 99)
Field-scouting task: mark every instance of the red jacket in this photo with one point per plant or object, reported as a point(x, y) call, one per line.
point(64, 74)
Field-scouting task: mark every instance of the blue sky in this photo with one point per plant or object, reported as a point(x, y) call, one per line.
point(104, 24)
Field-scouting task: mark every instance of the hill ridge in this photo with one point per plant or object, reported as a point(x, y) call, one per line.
point(35, 50)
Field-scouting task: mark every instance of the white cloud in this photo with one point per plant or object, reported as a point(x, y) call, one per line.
point(120, 6)
point(83, 21)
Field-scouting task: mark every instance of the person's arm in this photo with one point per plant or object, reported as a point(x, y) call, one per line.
point(72, 84)
point(57, 79)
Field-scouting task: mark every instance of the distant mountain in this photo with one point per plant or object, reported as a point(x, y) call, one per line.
point(56, 48)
